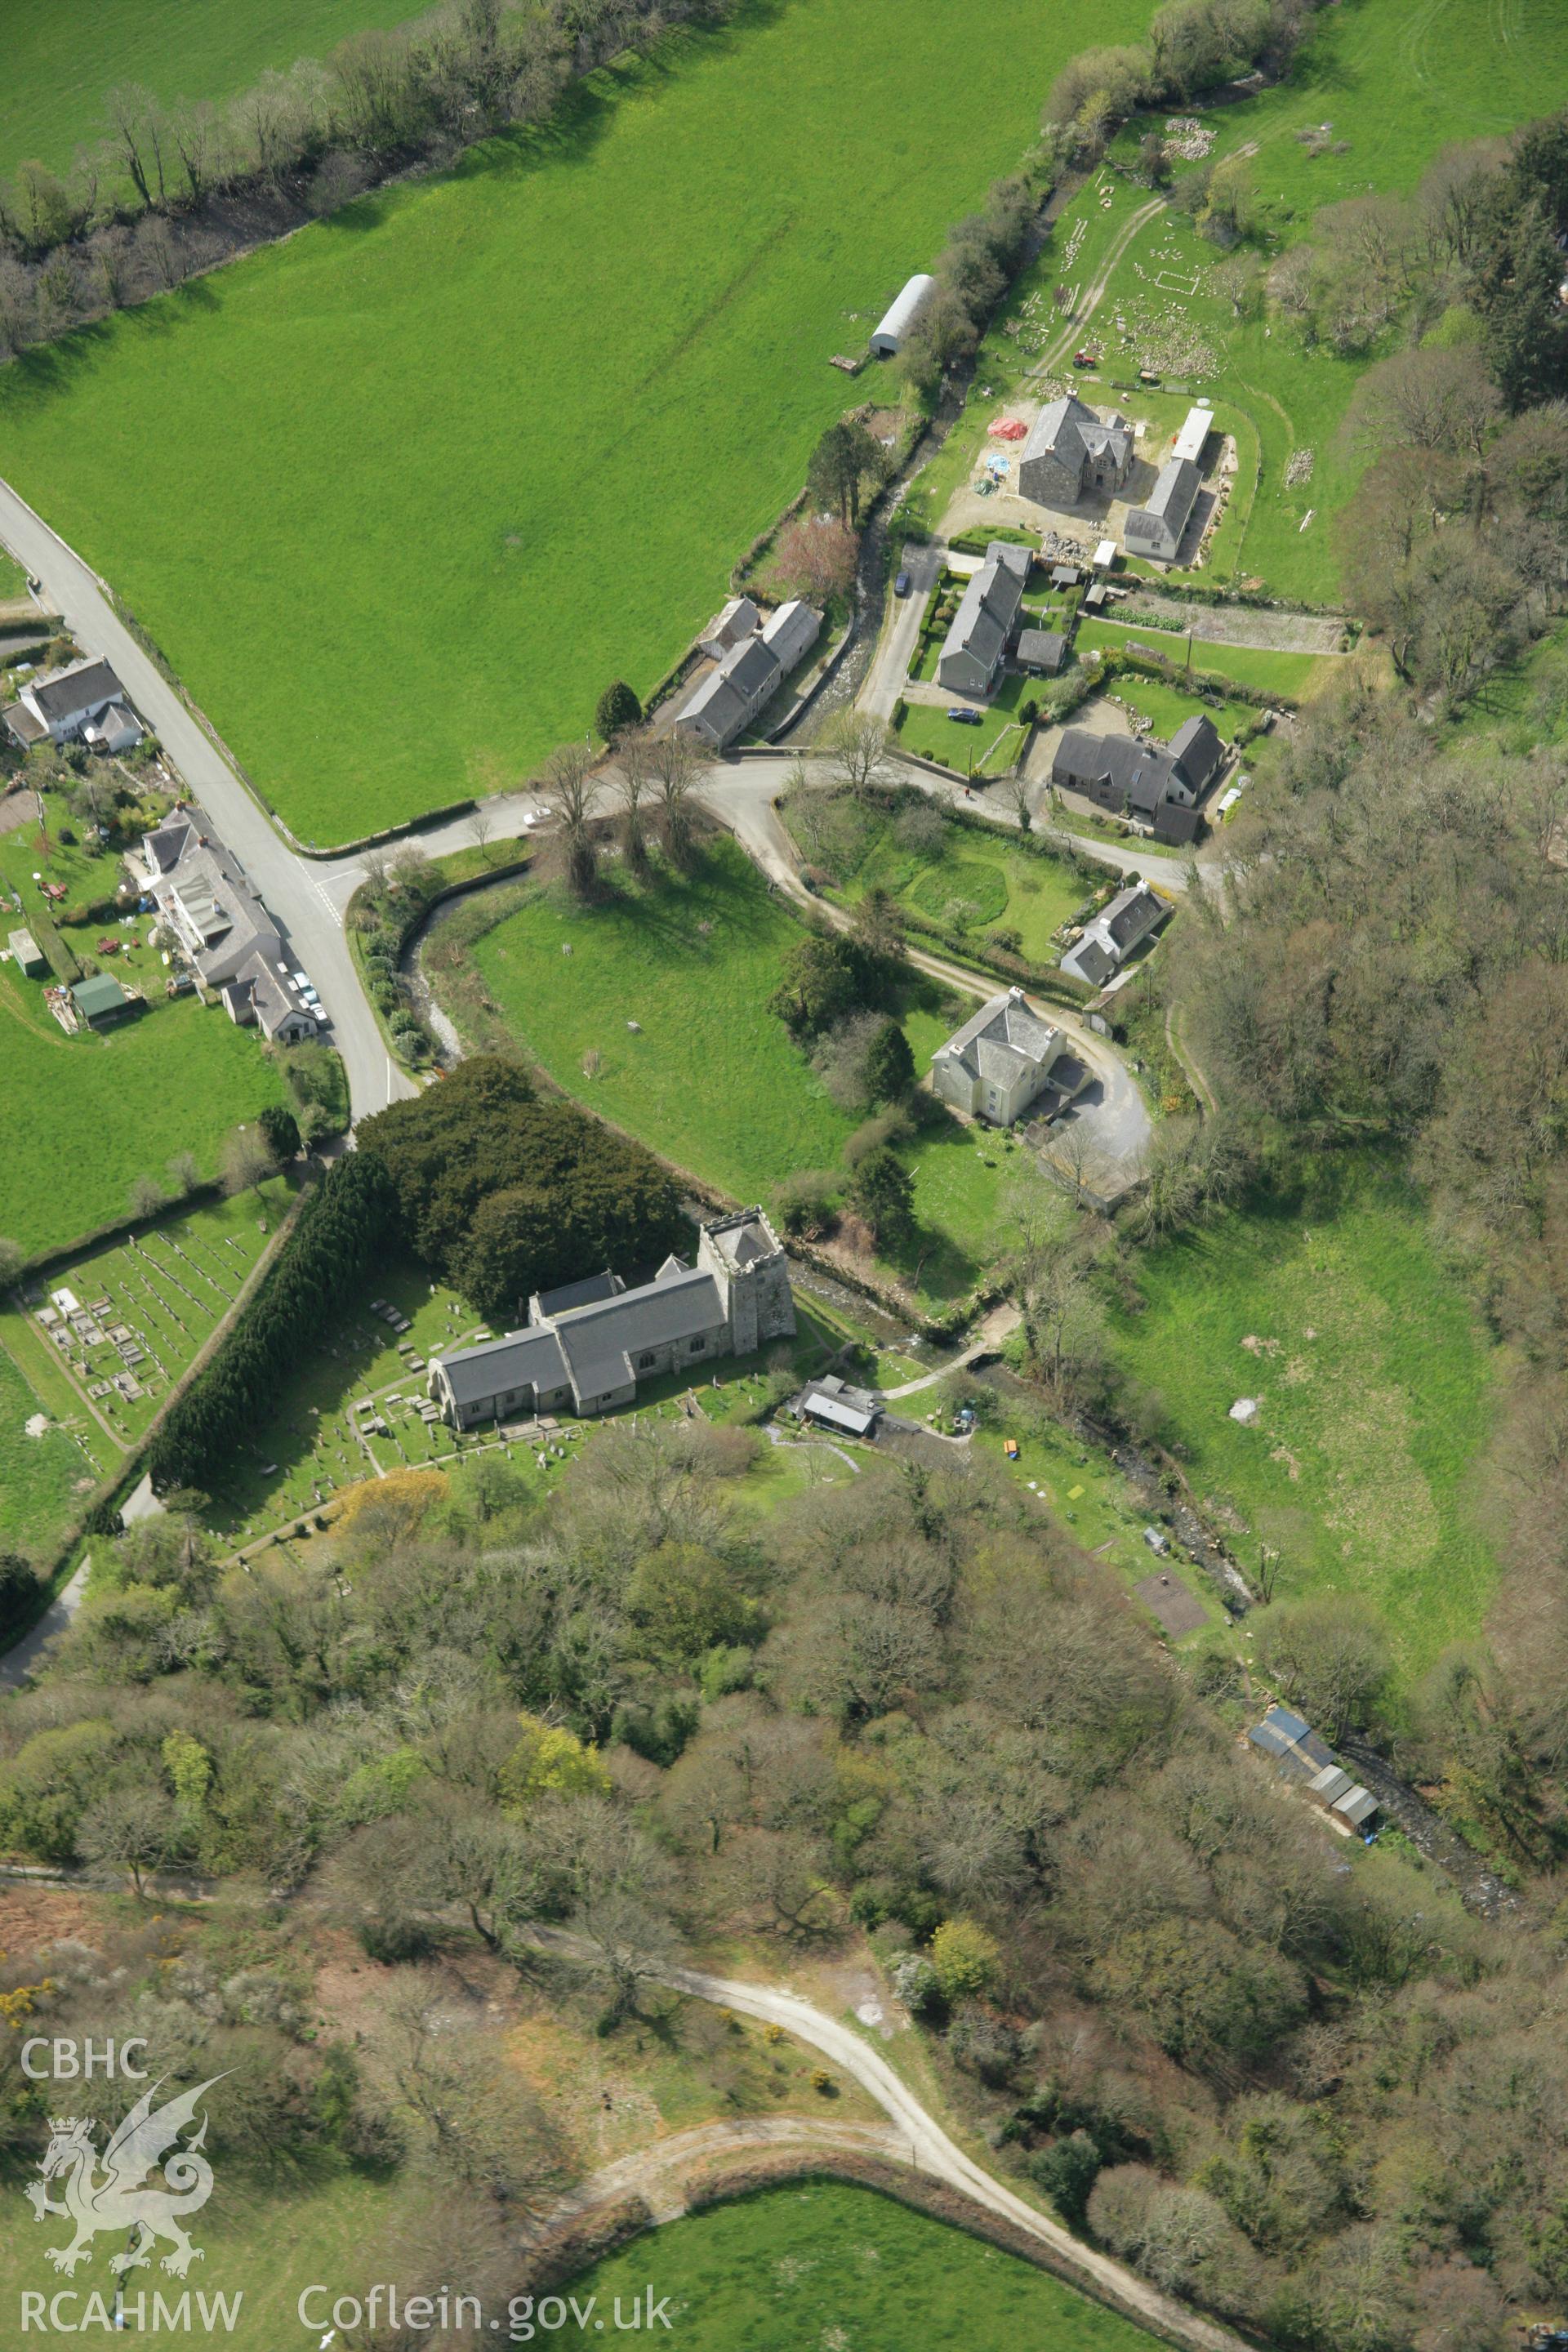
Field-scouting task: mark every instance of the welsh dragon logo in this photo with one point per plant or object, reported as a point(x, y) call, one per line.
point(110, 2195)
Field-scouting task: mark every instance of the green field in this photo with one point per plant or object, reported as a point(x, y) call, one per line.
point(1296, 674)
point(711, 1080)
point(177, 49)
point(820, 2263)
point(1376, 1383)
point(87, 1115)
point(42, 1476)
point(466, 452)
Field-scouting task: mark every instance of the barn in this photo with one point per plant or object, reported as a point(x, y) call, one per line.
point(888, 338)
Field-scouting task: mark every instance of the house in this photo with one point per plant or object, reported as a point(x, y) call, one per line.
point(835, 1404)
point(1002, 1060)
point(790, 632)
point(1043, 651)
point(221, 928)
point(750, 671)
point(1155, 530)
point(1153, 784)
point(734, 621)
point(26, 954)
point(888, 335)
point(1196, 428)
point(1132, 917)
point(978, 635)
point(1070, 450)
point(586, 1346)
point(101, 1003)
point(62, 703)
point(118, 728)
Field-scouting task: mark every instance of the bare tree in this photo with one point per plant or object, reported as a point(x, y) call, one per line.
point(569, 777)
point(247, 1161)
point(482, 826)
point(860, 746)
point(133, 1830)
point(147, 1197)
point(1016, 793)
point(635, 771)
point(676, 763)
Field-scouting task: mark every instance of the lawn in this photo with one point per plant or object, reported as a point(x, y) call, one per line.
point(1296, 674)
point(177, 49)
point(709, 1078)
point(585, 427)
point(820, 2262)
point(87, 1115)
point(41, 1477)
point(1168, 707)
point(972, 881)
point(1375, 1384)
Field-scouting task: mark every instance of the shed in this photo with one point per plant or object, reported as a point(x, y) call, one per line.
point(840, 1406)
point(1042, 649)
point(1105, 555)
point(888, 337)
point(100, 1002)
point(26, 954)
point(1064, 575)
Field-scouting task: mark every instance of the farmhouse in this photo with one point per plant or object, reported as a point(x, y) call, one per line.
point(1002, 1060)
point(1154, 784)
point(1107, 942)
point(1069, 450)
point(976, 644)
point(888, 335)
point(85, 699)
point(1156, 528)
point(748, 674)
point(587, 1347)
point(221, 926)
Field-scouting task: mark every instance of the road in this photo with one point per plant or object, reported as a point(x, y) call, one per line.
point(297, 895)
point(901, 629)
point(18, 1662)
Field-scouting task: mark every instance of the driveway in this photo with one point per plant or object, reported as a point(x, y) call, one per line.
point(301, 904)
point(900, 630)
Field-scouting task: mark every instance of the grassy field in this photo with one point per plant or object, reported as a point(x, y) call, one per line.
point(710, 1079)
point(822, 2263)
point(179, 49)
point(1168, 707)
point(1296, 674)
point(1375, 1387)
point(87, 1115)
point(40, 1477)
point(589, 425)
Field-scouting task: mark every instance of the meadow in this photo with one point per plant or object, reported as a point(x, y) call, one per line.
point(709, 1078)
point(1332, 1308)
point(177, 49)
point(819, 2263)
point(87, 1114)
point(399, 497)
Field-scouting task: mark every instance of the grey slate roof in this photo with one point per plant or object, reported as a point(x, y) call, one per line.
point(833, 1400)
point(1003, 1026)
point(1141, 772)
point(592, 1287)
point(596, 1340)
point(1172, 494)
point(530, 1359)
point(1069, 430)
point(84, 685)
point(1197, 748)
point(1130, 913)
point(985, 615)
point(1043, 649)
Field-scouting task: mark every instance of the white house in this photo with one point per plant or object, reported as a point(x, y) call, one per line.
point(1155, 530)
point(888, 335)
point(85, 699)
point(1000, 1061)
point(227, 936)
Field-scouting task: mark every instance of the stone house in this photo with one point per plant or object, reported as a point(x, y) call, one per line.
point(979, 632)
point(1071, 451)
point(1002, 1060)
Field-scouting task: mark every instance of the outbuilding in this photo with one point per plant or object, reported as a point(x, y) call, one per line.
point(888, 337)
point(102, 1002)
point(1042, 651)
point(26, 954)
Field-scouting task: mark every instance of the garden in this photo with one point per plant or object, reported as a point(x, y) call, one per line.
point(372, 657)
point(1327, 1305)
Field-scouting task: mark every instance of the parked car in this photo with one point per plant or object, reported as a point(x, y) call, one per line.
point(966, 718)
point(902, 584)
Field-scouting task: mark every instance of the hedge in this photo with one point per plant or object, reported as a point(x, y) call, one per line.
point(342, 1226)
point(62, 960)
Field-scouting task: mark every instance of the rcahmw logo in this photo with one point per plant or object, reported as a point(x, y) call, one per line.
point(147, 2183)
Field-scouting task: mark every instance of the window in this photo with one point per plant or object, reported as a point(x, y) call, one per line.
point(645, 1362)
point(698, 1346)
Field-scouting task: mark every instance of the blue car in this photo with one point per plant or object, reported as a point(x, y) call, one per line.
point(966, 718)
point(902, 584)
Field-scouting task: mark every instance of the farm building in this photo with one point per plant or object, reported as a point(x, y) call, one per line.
point(1341, 1798)
point(1155, 530)
point(1154, 784)
point(1132, 916)
point(1042, 651)
point(835, 1405)
point(1070, 450)
point(790, 632)
point(733, 623)
point(102, 1002)
point(226, 933)
point(750, 671)
point(978, 637)
point(888, 336)
point(1002, 1060)
point(83, 700)
point(587, 1346)
point(26, 954)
